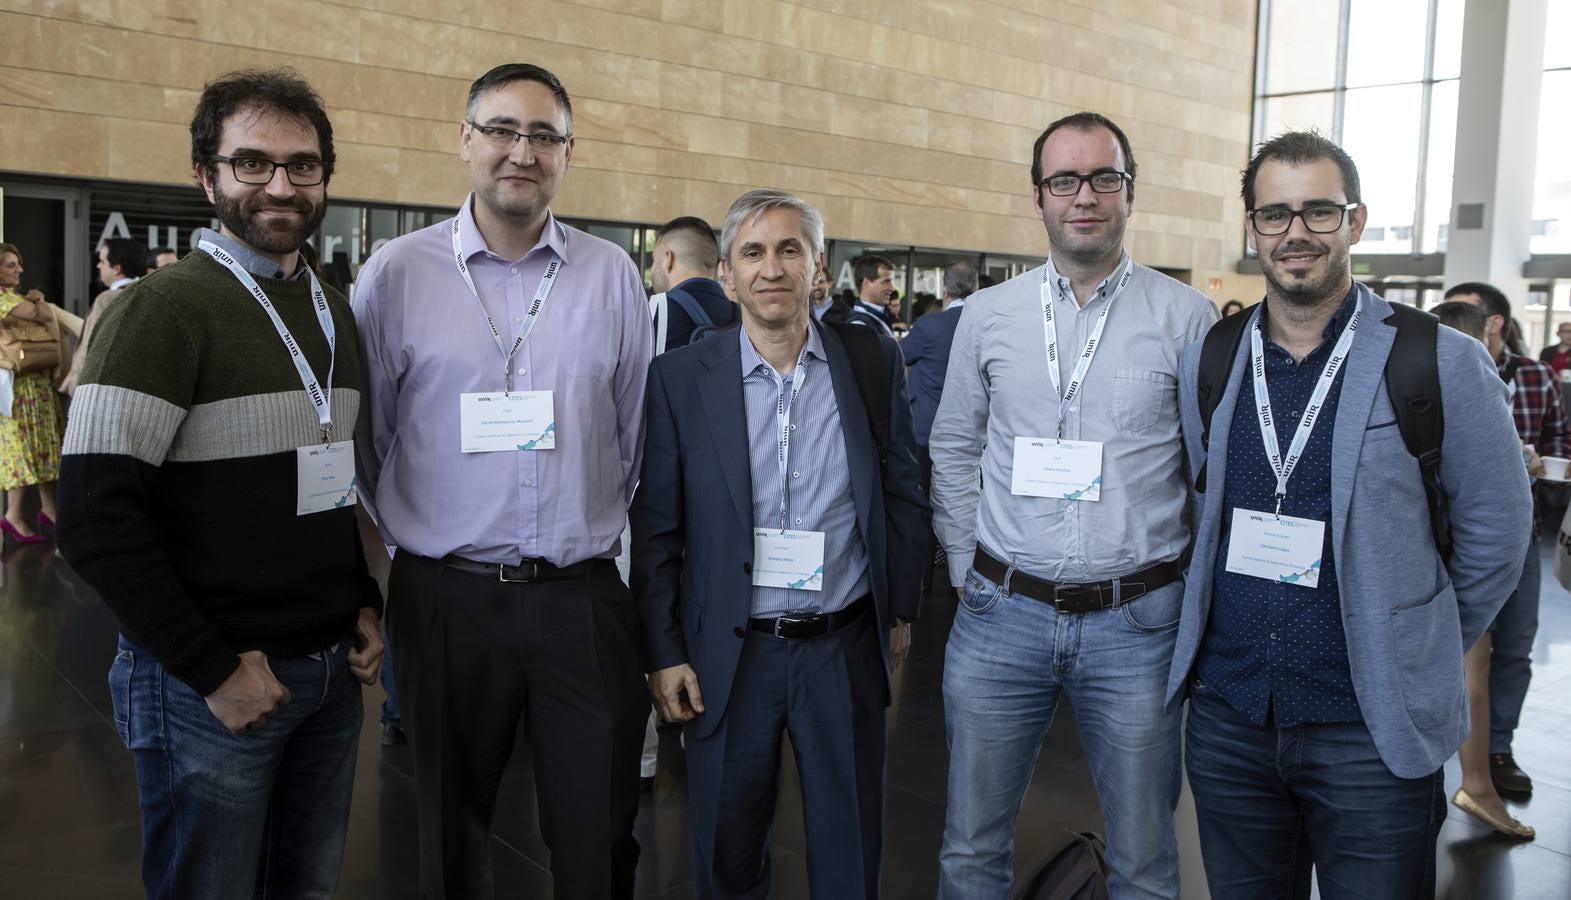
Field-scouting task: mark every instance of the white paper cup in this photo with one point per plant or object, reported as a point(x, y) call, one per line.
point(1555, 468)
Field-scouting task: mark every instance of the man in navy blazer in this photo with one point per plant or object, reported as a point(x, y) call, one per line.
point(1322, 634)
point(776, 563)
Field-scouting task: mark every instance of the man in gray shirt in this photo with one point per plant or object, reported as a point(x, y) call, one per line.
point(1059, 497)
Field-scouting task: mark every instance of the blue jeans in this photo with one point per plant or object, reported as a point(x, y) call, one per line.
point(1008, 659)
point(1274, 802)
point(1511, 663)
point(262, 814)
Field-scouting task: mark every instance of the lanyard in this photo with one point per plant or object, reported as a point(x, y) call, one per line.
point(531, 318)
point(1050, 336)
point(1284, 467)
point(783, 406)
point(320, 397)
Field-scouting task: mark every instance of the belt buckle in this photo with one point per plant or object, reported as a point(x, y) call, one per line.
point(533, 572)
point(787, 620)
point(1061, 590)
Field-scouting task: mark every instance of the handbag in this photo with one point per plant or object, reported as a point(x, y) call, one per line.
point(27, 347)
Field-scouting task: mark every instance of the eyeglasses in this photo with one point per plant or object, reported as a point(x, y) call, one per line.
point(1068, 185)
point(507, 138)
point(256, 170)
point(1322, 218)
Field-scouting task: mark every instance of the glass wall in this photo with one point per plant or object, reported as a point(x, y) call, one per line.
point(1552, 178)
point(1379, 78)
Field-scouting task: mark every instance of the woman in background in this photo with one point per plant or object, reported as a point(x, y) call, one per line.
point(32, 429)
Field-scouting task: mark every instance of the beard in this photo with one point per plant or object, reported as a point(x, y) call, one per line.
point(510, 203)
point(1311, 289)
point(1082, 248)
point(240, 216)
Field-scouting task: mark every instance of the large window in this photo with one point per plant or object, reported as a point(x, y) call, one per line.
point(1552, 176)
point(1379, 78)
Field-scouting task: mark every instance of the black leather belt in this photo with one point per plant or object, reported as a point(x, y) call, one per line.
point(1076, 598)
point(811, 626)
point(526, 571)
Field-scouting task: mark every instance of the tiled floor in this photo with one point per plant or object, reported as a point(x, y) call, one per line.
point(68, 812)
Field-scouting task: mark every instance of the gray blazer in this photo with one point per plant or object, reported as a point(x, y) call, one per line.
point(1408, 616)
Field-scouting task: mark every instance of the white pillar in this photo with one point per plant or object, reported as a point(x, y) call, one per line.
point(1496, 144)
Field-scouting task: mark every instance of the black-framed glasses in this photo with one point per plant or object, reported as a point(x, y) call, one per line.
point(1320, 218)
point(1067, 184)
point(256, 170)
point(507, 138)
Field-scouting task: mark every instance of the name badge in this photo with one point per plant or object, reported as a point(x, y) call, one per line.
point(788, 559)
point(1063, 470)
point(1283, 549)
point(324, 477)
point(522, 420)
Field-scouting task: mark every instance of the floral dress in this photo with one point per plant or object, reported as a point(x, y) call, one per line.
point(30, 439)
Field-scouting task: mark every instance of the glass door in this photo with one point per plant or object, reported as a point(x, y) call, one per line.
point(47, 225)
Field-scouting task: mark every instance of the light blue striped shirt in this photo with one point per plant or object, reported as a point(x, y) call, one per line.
point(820, 494)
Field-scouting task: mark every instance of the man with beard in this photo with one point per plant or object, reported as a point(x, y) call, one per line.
point(207, 493)
point(1064, 520)
point(506, 355)
point(1323, 631)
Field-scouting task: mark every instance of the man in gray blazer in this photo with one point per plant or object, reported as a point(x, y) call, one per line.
point(1322, 634)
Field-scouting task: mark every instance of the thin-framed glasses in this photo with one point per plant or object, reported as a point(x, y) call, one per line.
point(1067, 184)
point(1320, 218)
point(256, 170)
point(507, 138)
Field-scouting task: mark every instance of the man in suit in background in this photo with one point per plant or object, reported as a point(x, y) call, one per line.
point(683, 271)
point(875, 287)
point(1322, 632)
point(778, 595)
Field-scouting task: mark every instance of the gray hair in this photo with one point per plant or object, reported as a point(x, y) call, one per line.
point(754, 203)
point(960, 279)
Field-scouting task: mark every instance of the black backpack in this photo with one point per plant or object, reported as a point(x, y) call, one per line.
point(1412, 382)
point(703, 326)
point(1076, 869)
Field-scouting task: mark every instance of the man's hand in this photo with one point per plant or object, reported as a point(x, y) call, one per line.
point(365, 660)
point(899, 644)
point(676, 693)
point(249, 695)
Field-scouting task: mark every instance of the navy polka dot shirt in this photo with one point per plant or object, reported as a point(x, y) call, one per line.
point(1277, 652)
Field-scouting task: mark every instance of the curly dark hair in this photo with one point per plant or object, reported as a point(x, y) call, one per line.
point(280, 91)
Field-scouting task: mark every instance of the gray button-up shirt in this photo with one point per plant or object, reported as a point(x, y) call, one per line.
point(820, 493)
point(998, 388)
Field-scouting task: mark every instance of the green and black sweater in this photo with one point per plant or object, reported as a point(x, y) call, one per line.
point(177, 486)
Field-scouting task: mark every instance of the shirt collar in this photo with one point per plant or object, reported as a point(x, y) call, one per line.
point(553, 235)
point(119, 283)
point(1506, 356)
point(250, 260)
point(1064, 287)
point(751, 360)
point(956, 304)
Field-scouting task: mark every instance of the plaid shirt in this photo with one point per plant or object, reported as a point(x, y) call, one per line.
point(1535, 405)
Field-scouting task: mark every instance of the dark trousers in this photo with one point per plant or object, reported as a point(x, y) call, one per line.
point(475, 655)
point(827, 693)
point(1273, 802)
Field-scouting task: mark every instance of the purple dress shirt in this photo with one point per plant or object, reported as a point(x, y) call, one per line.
point(425, 342)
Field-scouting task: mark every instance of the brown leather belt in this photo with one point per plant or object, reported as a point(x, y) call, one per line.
point(793, 627)
point(1076, 598)
point(524, 572)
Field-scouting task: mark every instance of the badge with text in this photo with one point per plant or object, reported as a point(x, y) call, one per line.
point(1285, 549)
point(1063, 470)
point(521, 420)
point(324, 477)
point(788, 559)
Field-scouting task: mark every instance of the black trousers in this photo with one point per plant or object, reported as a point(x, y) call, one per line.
point(473, 656)
point(827, 694)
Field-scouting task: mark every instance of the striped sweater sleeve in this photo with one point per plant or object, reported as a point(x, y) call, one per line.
point(137, 386)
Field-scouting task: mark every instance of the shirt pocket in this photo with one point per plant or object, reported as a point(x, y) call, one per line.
point(1141, 397)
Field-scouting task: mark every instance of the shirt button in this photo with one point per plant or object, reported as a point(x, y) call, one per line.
point(796, 474)
point(523, 371)
point(738, 631)
point(798, 520)
point(512, 271)
point(518, 320)
point(1273, 635)
point(747, 569)
point(529, 482)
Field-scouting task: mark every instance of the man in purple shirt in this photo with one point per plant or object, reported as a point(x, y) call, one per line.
point(506, 356)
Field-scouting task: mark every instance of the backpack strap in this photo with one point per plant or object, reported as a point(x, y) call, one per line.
point(1216, 364)
point(873, 381)
point(692, 307)
point(1413, 384)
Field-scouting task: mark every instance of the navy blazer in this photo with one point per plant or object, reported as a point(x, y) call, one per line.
point(692, 517)
point(1408, 615)
point(926, 351)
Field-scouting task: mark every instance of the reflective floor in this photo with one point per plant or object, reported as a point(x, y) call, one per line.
point(68, 806)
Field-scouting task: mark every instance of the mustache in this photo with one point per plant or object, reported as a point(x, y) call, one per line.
point(1297, 247)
